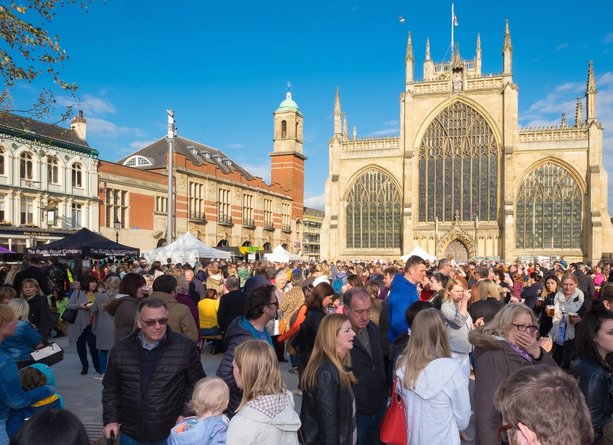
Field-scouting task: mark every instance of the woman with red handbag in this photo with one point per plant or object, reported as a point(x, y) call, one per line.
point(431, 384)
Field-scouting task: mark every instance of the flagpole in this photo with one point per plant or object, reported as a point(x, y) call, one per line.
point(452, 26)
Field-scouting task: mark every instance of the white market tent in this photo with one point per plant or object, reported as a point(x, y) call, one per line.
point(186, 249)
point(280, 255)
point(419, 252)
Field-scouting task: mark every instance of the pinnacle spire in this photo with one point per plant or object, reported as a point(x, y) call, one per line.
point(563, 120)
point(591, 82)
point(337, 112)
point(410, 48)
point(507, 51)
point(507, 37)
point(590, 94)
point(579, 113)
point(456, 60)
point(478, 55)
point(478, 43)
point(428, 48)
point(345, 128)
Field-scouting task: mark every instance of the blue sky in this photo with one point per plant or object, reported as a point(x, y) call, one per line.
point(223, 67)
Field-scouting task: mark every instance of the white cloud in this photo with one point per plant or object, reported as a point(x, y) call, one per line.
point(138, 144)
point(391, 124)
point(563, 98)
point(235, 146)
point(261, 170)
point(90, 105)
point(316, 202)
point(103, 128)
point(385, 132)
point(562, 46)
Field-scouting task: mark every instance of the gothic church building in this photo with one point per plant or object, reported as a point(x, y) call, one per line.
point(463, 178)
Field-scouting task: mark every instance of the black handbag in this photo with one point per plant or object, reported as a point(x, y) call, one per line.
point(69, 315)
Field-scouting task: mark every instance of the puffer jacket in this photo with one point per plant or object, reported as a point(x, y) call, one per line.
point(596, 384)
point(326, 413)
point(148, 414)
point(495, 361)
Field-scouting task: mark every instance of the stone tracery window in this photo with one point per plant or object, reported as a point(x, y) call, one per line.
point(458, 167)
point(373, 212)
point(548, 212)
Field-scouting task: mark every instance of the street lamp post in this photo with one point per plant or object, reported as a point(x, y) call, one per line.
point(117, 225)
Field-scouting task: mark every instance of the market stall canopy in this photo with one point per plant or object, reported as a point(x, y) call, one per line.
point(280, 255)
point(420, 253)
point(83, 243)
point(186, 249)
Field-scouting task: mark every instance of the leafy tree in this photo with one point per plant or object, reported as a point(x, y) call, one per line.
point(28, 51)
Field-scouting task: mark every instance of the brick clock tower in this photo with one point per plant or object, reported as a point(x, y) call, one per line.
point(287, 157)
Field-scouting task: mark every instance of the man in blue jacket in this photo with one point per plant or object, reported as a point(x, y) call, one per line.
point(403, 292)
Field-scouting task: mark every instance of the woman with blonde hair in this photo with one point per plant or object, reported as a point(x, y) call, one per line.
point(12, 395)
point(266, 413)
point(26, 337)
point(328, 410)
point(502, 347)
point(40, 315)
point(458, 321)
point(433, 385)
point(488, 304)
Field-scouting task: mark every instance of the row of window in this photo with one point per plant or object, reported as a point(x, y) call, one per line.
point(27, 209)
point(196, 207)
point(26, 169)
point(458, 167)
point(548, 211)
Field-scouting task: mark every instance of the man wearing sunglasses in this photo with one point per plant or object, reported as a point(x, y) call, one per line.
point(149, 379)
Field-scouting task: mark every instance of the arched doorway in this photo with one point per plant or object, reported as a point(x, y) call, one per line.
point(247, 244)
point(222, 243)
point(458, 249)
point(284, 245)
point(267, 247)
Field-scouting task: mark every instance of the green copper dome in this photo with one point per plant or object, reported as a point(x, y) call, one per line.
point(288, 104)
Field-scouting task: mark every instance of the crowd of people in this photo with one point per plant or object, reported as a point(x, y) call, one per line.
point(352, 331)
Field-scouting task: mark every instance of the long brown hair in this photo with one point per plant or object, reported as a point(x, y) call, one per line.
point(428, 342)
point(259, 370)
point(325, 348)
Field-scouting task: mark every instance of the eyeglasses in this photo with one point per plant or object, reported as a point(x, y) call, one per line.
point(153, 322)
point(526, 327)
point(503, 433)
point(275, 303)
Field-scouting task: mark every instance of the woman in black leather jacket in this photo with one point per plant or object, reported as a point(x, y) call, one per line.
point(328, 408)
point(594, 341)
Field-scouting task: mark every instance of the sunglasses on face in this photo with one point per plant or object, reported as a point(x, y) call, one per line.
point(154, 321)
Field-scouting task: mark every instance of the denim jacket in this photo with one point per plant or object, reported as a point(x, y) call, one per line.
point(21, 344)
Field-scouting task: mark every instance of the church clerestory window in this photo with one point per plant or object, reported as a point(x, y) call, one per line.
point(373, 212)
point(548, 212)
point(458, 167)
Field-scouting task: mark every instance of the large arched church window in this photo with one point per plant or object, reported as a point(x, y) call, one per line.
point(373, 212)
point(458, 167)
point(548, 213)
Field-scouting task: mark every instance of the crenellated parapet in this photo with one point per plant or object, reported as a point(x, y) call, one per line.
point(371, 144)
point(551, 134)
